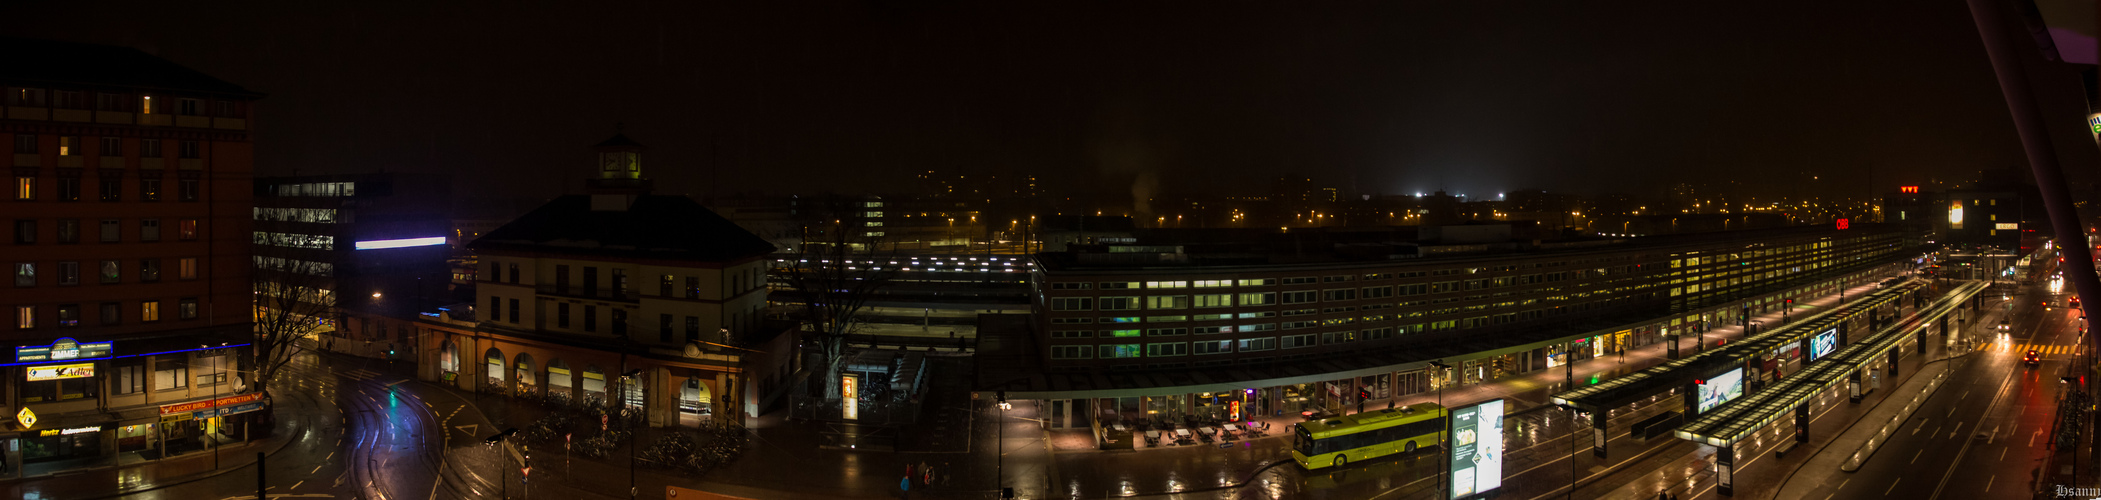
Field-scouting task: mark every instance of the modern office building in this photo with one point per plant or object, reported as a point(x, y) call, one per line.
point(587, 288)
point(369, 246)
point(1177, 323)
point(129, 204)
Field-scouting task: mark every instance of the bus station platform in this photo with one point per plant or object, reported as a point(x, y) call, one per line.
point(1746, 417)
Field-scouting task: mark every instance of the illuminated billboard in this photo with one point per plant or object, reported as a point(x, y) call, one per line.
point(55, 372)
point(1823, 344)
point(1477, 449)
point(402, 243)
point(1721, 389)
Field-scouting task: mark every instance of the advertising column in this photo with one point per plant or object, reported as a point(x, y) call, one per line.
point(1477, 449)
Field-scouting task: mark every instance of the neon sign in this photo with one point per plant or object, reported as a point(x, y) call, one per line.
point(401, 243)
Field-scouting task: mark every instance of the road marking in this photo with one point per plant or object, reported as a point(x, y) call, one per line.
point(2031, 438)
point(1988, 483)
point(1936, 431)
point(2002, 454)
point(296, 485)
point(1892, 486)
point(1915, 456)
point(1958, 429)
point(317, 468)
point(1921, 427)
point(1965, 395)
point(330, 455)
point(1994, 436)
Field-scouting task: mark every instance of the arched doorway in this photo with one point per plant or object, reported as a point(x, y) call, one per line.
point(695, 405)
point(559, 381)
point(495, 370)
point(523, 369)
point(594, 386)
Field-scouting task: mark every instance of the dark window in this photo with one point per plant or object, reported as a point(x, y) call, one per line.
point(190, 107)
point(664, 286)
point(72, 99)
point(692, 287)
point(188, 308)
point(561, 280)
point(188, 189)
point(111, 272)
point(110, 188)
point(495, 308)
point(25, 232)
point(112, 146)
point(69, 273)
point(149, 189)
point(619, 282)
point(227, 109)
point(590, 318)
point(149, 148)
point(25, 144)
point(514, 310)
point(514, 273)
point(110, 102)
point(149, 270)
point(561, 314)
point(69, 230)
point(111, 314)
point(664, 328)
point(692, 328)
point(619, 322)
point(68, 188)
point(111, 230)
point(187, 150)
point(149, 229)
point(69, 315)
point(590, 281)
point(25, 97)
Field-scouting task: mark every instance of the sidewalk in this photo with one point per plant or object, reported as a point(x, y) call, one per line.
point(112, 481)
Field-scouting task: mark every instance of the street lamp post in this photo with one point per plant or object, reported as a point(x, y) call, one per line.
point(1444, 447)
point(632, 492)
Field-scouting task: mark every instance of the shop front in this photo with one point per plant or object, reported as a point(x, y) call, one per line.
point(49, 445)
point(201, 425)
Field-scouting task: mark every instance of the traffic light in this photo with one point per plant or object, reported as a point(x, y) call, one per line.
point(1699, 381)
point(1363, 393)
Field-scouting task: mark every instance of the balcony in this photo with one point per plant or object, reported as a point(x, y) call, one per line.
point(28, 160)
point(26, 113)
point(230, 123)
point(589, 293)
point(156, 119)
point(189, 164)
point(72, 115)
point(120, 117)
point(193, 121)
point(72, 161)
point(110, 162)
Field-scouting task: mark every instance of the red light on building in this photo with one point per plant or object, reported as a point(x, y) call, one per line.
point(1908, 189)
point(1844, 223)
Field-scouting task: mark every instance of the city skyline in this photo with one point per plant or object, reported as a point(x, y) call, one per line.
point(1125, 100)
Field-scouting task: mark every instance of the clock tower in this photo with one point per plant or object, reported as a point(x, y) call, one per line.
point(619, 178)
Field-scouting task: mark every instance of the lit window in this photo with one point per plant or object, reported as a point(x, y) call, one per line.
point(188, 268)
point(149, 310)
point(25, 188)
point(186, 229)
point(25, 317)
point(146, 105)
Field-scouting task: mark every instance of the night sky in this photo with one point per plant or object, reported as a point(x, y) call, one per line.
point(1386, 97)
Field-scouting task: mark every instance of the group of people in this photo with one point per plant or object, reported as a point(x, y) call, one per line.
point(921, 475)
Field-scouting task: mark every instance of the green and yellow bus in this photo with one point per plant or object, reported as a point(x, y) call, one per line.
point(1337, 441)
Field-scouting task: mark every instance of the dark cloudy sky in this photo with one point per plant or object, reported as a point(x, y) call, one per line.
point(1386, 97)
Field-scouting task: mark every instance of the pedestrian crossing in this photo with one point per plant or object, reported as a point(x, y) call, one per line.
point(2039, 348)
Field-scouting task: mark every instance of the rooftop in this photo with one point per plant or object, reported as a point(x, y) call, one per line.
point(32, 61)
point(654, 227)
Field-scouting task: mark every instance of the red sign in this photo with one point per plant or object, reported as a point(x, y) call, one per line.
point(1907, 189)
point(201, 405)
point(1843, 223)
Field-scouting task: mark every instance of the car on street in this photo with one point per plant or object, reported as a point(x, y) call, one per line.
point(2032, 359)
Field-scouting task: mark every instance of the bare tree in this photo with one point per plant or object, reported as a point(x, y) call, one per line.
point(839, 265)
point(294, 297)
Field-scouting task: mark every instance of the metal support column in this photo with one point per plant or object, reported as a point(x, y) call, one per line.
point(1802, 423)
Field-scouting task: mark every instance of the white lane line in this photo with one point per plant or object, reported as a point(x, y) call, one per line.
point(1892, 486)
point(330, 455)
point(1915, 456)
point(1921, 427)
point(1958, 429)
point(1988, 483)
point(2002, 454)
point(296, 485)
point(317, 468)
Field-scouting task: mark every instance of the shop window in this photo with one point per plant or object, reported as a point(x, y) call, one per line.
point(128, 377)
